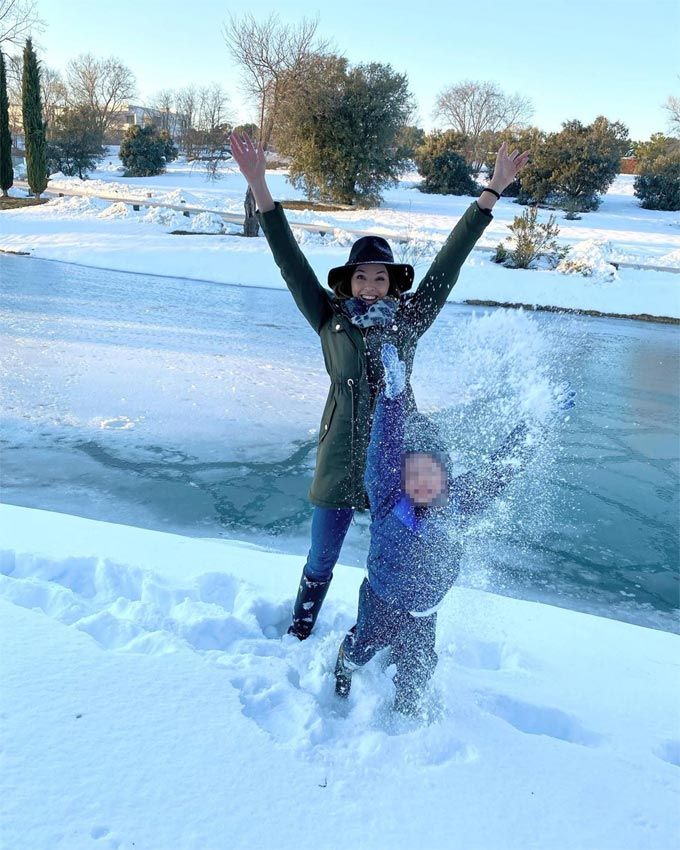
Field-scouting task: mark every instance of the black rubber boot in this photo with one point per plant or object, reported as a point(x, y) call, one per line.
point(310, 597)
point(343, 674)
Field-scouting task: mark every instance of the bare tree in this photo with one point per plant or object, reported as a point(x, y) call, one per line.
point(14, 67)
point(479, 109)
point(54, 94)
point(18, 19)
point(213, 103)
point(163, 104)
point(269, 52)
point(672, 106)
point(103, 85)
point(186, 103)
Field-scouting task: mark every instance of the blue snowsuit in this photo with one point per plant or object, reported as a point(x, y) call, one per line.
point(413, 558)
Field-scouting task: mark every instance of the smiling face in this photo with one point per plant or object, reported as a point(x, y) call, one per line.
point(424, 478)
point(370, 282)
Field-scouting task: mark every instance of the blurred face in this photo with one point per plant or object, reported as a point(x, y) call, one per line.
point(424, 479)
point(370, 282)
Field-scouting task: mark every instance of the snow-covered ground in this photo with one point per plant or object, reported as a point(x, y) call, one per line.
point(109, 234)
point(149, 700)
point(150, 697)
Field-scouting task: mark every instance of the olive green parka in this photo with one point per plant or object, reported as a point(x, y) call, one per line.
point(352, 354)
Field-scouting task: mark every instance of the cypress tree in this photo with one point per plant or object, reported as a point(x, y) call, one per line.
point(34, 126)
point(6, 170)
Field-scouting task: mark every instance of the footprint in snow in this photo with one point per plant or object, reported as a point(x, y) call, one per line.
point(669, 751)
point(488, 655)
point(540, 720)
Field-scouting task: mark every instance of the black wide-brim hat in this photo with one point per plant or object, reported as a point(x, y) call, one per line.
point(366, 251)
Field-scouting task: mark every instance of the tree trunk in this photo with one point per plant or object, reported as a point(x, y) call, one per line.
point(251, 226)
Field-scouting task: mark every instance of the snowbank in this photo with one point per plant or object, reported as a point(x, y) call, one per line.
point(149, 699)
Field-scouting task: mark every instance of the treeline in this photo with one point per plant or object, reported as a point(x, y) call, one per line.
point(346, 131)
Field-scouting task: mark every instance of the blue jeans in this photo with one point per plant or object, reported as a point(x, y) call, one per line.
point(329, 527)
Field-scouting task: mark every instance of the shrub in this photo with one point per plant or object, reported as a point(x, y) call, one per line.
point(144, 151)
point(501, 254)
point(527, 139)
point(409, 140)
point(530, 240)
point(657, 184)
point(441, 162)
point(75, 143)
point(576, 165)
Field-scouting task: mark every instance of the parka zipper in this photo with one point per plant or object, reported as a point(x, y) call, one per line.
point(350, 384)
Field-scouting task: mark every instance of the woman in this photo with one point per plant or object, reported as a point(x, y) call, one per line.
point(367, 307)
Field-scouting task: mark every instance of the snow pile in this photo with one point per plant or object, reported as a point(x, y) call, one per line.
point(179, 196)
point(109, 166)
point(206, 222)
point(151, 699)
point(672, 259)
point(78, 207)
point(591, 258)
point(165, 218)
point(335, 237)
point(117, 210)
point(94, 186)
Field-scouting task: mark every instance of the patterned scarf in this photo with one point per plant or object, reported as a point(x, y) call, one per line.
point(364, 315)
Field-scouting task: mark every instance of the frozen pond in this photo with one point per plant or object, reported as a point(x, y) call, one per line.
point(193, 407)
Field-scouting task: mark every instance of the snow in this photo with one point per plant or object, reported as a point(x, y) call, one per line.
point(109, 234)
point(149, 699)
point(150, 696)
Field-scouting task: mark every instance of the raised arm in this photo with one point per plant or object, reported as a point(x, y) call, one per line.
point(383, 461)
point(473, 492)
point(312, 299)
point(442, 275)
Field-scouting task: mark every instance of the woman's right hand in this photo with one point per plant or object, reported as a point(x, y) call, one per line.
point(249, 157)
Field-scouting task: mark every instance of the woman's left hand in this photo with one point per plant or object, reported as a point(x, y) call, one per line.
point(507, 167)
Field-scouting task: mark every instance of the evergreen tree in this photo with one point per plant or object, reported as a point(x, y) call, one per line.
point(657, 183)
point(144, 151)
point(409, 140)
point(527, 138)
point(170, 151)
point(573, 167)
point(340, 128)
point(75, 142)
point(441, 162)
point(6, 170)
point(34, 126)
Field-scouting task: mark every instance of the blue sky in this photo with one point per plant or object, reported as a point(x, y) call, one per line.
point(573, 59)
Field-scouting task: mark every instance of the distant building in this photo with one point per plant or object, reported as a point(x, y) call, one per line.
point(143, 116)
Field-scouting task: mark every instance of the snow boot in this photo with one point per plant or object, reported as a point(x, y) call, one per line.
point(310, 597)
point(343, 674)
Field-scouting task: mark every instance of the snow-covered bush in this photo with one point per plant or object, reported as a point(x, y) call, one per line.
point(207, 222)
point(591, 258)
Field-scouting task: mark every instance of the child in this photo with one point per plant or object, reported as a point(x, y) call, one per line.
point(413, 559)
